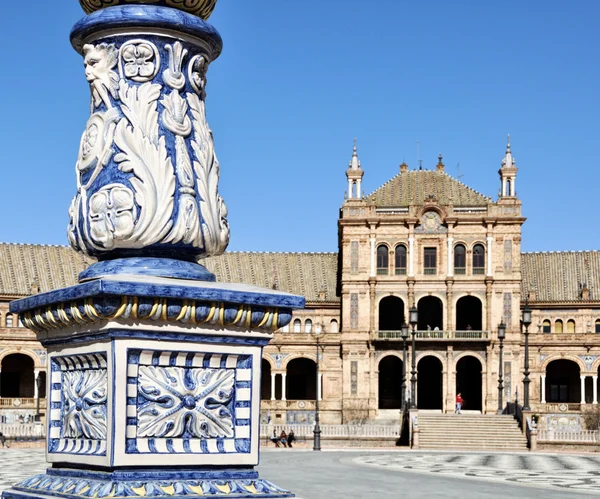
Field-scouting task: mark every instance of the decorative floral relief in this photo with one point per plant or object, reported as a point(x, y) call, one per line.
point(112, 214)
point(141, 60)
point(173, 75)
point(197, 74)
point(84, 405)
point(173, 401)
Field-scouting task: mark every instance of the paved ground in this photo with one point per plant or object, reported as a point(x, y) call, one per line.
point(369, 475)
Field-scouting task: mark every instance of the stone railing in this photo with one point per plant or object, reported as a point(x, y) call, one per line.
point(23, 430)
point(584, 436)
point(21, 403)
point(433, 335)
point(332, 430)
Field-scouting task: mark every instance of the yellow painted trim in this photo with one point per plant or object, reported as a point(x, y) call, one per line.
point(265, 318)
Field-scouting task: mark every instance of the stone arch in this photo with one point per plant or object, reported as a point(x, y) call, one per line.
point(18, 376)
point(431, 312)
point(469, 313)
point(37, 363)
point(431, 353)
point(563, 378)
point(435, 208)
point(270, 360)
point(389, 382)
point(595, 366)
point(574, 358)
point(430, 382)
point(291, 357)
point(390, 313)
point(470, 376)
point(265, 379)
point(472, 354)
point(387, 353)
point(301, 379)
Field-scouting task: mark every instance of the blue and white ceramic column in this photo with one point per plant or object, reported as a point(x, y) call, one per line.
point(154, 385)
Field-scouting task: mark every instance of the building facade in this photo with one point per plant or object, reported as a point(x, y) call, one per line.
point(422, 240)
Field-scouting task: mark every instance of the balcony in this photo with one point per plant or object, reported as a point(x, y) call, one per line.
point(433, 336)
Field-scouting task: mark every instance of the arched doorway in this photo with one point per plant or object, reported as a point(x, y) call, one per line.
point(301, 380)
point(390, 383)
point(429, 383)
point(17, 379)
point(469, 314)
point(391, 313)
point(431, 313)
point(468, 382)
point(563, 382)
point(265, 380)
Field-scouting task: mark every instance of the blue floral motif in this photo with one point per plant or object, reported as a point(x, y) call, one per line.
point(84, 406)
point(173, 401)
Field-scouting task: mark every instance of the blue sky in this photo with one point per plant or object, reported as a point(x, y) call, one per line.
point(297, 81)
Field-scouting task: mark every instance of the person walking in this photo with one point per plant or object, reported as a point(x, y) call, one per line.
point(3, 439)
point(459, 403)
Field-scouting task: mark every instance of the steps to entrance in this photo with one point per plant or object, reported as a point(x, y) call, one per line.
point(470, 432)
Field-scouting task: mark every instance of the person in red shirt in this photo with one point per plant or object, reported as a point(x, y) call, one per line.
point(459, 403)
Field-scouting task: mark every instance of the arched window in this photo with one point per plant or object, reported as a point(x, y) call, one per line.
point(9, 320)
point(508, 189)
point(285, 329)
point(478, 259)
point(598, 326)
point(334, 326)
point(400, 259)
point(558, 326)
point(546, 326)
point(460, 259)
point(383, 260)
point(308, 326)
point(570, 326)
point(297, 326)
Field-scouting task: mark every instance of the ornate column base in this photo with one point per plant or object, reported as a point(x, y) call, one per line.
point(154, 387)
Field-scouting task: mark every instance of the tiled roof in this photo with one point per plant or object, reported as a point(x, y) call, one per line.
point(305, 274)
point(52, 267)
point(556, 276)
point(413, 187)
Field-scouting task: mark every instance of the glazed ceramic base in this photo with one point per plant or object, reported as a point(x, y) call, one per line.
point(155, 267)
point(77, 484)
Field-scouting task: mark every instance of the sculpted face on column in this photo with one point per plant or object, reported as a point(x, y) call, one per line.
point(147, 172)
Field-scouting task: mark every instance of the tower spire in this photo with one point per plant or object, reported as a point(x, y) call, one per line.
point(354, 174)
point(508, 161)
point(508, 173)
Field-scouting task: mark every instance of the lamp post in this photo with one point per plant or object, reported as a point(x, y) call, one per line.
point(526, 319)
point(38, 383)
point(414, 320)
point(501, 336)
point(317, 429)
point(404, 335)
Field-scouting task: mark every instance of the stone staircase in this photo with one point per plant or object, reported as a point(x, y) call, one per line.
point(470, 432)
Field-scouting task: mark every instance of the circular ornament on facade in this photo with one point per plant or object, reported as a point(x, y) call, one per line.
point(302, 404)
point(563, 407)
point(200, 8)
point(17, 402)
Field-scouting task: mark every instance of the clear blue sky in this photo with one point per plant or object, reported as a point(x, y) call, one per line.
point(297, 81)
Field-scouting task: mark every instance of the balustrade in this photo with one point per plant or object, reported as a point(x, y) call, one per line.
point(21, 403)
point(434, 335)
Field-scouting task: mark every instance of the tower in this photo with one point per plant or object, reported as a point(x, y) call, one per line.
point(508, 174)
point(355, 175)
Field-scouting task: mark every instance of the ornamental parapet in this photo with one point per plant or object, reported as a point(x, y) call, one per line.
point(433, 335)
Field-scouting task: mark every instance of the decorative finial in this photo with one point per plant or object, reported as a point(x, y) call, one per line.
point(440, 165)
point(508, 161)
point(354, 162)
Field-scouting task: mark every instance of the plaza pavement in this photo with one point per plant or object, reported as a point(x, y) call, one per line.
point(364, 474)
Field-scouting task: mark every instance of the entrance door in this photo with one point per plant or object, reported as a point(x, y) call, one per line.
point(468, 382)
point(429, 383)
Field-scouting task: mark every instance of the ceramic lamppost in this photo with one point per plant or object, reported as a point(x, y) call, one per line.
point(154, 382)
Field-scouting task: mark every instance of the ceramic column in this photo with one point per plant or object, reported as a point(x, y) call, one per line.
point(153, 367)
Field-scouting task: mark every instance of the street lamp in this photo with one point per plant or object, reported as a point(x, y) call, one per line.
point(404, 336)
point(526, 319)
point(317, 430)
point(501, 336)
point(413, 315)
point(38, 383)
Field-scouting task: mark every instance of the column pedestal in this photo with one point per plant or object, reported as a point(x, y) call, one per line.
point(154, 387)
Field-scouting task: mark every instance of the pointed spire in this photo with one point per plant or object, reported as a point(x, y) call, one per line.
point(354, 162)
point(508, 161)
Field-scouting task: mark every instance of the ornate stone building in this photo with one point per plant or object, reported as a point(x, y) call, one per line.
point(423, 239)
